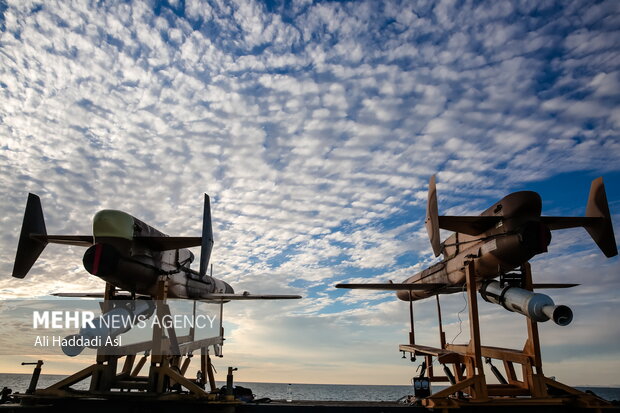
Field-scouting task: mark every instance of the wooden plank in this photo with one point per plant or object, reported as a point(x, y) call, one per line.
point(506, 354)
point(457, 371)
point(510, 372)
point(128, 365)
point(189, 385)
point(443, 356)
point(454, 388)
point(132, 385)
point(74, 378)
point(139, 366)
point(185, 365)
point(205, 342)
point(533, 373)
point(480, 389)
point(209, 369)
point(439, 379)
point(506, 390)
point(420, 349)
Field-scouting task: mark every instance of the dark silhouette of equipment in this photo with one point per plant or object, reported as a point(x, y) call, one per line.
point(497, 244)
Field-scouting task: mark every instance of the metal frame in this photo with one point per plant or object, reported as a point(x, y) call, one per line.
point(170, 357)
point(468, 382)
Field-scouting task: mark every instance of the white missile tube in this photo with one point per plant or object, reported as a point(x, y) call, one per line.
point(538, 307)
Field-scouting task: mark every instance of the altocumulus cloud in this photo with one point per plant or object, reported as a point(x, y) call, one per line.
point(314, 125)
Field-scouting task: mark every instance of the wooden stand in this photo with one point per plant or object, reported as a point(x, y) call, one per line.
point(467, 378)
point(170, 357)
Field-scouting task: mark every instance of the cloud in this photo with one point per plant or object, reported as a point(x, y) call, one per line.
point(314, 127)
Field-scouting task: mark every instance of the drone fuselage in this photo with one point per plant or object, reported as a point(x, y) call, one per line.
point(517, 236)
point(132, 255)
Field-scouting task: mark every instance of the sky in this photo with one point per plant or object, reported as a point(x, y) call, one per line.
point(315, 126)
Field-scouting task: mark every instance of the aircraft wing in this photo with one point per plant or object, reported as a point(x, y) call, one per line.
point(79, 295)
point(210, 298)
point(391, 286)
point(569, 222)
point(553, 285)
point(468, 225)
point(95, 295)
point(421, 287)
point(78, 240)
point(155, 243)
point(169, 243)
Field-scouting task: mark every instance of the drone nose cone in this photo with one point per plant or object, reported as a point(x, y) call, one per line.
point(112, 223)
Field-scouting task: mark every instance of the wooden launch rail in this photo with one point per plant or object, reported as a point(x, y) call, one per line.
point(165, 351)
point(464, 368)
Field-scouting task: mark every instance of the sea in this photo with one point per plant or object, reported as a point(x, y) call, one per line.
point(278, 391)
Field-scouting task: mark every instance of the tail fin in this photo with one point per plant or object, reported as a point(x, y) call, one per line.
point(471, 225)
point(601, 231)
point(207, 237)
point(28, 248)
point(432, 219)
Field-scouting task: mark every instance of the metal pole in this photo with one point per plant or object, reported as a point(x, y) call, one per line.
point(230, 395)
point(34, 380)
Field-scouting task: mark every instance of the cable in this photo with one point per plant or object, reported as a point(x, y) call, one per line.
point(460, 322)
point(459, 314)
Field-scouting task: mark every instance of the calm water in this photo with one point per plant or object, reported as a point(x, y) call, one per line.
point(19, 383)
